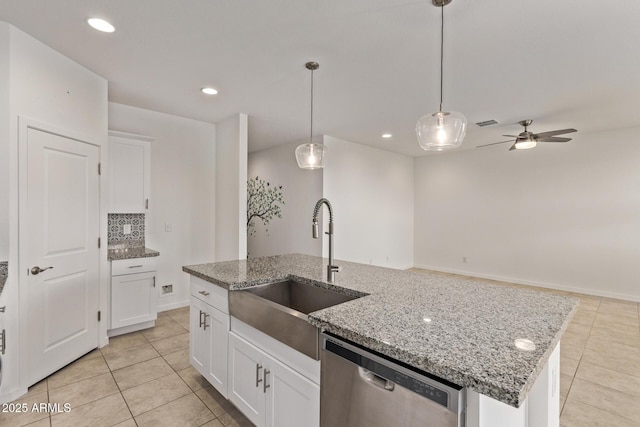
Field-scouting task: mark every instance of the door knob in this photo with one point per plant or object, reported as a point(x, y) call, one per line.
point(37, 270)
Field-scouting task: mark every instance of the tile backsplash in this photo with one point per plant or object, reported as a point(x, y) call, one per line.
point(117, 224)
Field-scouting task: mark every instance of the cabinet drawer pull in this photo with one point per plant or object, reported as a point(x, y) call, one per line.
point(258, 379)
point(265, 386)
point(206, 294)
point(135, 266)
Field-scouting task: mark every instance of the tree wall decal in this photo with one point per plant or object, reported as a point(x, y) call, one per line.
point(263, 203)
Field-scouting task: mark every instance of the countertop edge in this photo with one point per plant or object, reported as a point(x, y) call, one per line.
point(136, 253)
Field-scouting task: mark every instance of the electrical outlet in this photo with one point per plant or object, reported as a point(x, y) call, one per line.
point(167, 289)
point(127, 229)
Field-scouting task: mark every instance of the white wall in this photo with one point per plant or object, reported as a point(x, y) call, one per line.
point(371, 192)
point(563, 216)
point(231, 188)
point(4, 140)
point(301, 190)
point(182, 192)
point(48, 88)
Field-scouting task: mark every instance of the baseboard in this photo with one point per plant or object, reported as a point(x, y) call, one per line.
point(518, 281)
point(171, 306)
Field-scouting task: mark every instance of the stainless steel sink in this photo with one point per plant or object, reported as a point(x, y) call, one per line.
point(280, 310)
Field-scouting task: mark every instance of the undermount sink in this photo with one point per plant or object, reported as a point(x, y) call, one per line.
point(280, 310)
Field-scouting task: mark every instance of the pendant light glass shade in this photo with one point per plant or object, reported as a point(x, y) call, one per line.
point(441, 131)
point(311, 156)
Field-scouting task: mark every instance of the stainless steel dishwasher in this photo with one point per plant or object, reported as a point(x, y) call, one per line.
point(361, 388)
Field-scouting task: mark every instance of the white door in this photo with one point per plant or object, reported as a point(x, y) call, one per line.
point(62, 233)
point(292, 400)
point(199, 338)
point(217, 323)
point(133, 299)
point(246, 379)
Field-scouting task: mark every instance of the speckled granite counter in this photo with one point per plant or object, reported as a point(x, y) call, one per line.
point(460, 329)
point(4, 272)
point(133, 252)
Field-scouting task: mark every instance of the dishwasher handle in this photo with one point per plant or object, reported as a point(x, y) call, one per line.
point(376, 380)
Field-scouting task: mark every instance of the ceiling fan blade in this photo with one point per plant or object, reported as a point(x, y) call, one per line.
point(553, 139)
point(493, 143)
point(512, 136)
point(513, 147)
point(553, 133)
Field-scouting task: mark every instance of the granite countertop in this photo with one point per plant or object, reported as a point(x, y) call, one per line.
point(4, 272)
point(460, 329)
point(132, 252)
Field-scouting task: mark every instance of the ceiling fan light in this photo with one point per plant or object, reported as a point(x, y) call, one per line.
point(441, 131)
point(525, 144)
point(311, 156)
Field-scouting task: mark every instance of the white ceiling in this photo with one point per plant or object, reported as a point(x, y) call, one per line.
point(563, 63)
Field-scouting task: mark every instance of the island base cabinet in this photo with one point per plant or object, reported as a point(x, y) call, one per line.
point(268, 392)
point(209, 328)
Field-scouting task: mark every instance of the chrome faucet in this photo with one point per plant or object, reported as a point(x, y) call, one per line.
point(331, 269)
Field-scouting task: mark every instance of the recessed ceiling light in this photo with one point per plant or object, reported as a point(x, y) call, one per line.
point(101, 25)
point(386, 135)
point(209, 91)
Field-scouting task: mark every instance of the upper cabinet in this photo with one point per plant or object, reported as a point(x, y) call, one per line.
point(129, 173)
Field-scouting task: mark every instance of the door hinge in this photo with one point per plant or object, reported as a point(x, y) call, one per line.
point(99, 242)
point(99, 315)
point(99, 168)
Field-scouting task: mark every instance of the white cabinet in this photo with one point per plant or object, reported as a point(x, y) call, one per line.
point(134, 296)
point(129, 172)
point(209, 329)
point(268, 392)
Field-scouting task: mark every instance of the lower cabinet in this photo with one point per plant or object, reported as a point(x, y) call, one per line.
point(209, 329)
point(268, 392)
point(133, 299)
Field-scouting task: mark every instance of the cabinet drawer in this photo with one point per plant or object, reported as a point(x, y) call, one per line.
point(213, 295)
point(133, 265)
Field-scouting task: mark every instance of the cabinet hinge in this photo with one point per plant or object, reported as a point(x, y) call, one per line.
point(99, 168)
point(99, 242)
point(154, 281)
point(99, 315)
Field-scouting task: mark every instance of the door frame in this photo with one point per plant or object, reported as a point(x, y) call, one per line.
point(24, 124)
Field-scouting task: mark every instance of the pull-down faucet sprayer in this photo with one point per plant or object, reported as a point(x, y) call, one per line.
point(331, 269)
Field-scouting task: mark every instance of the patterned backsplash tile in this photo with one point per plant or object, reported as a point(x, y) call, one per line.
point(118, 221)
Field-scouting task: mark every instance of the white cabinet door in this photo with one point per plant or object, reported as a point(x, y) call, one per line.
point(199, 339)
point(133, 299)
point(216, 324)
point(129, 174)
point(292, 400)
point(246, 379)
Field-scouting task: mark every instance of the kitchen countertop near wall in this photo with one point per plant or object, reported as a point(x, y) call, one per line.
point(129, 249)
point(461, 329)
point(4, 272)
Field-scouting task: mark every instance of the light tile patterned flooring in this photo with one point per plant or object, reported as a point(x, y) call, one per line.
point(145, 378)
point(140, 379)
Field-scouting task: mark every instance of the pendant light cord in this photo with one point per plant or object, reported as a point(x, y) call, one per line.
point(441, 53)
point(311, 135)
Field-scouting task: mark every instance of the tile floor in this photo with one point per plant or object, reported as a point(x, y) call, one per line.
point(144, 378)
point(140, 379)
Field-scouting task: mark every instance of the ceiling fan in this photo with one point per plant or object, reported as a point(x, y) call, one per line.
point(528, 139)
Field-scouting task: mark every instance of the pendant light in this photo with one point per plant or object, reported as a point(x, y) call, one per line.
point(443, 130)
point(311, 156)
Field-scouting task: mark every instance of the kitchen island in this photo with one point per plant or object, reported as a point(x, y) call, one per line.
point(500, 342)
